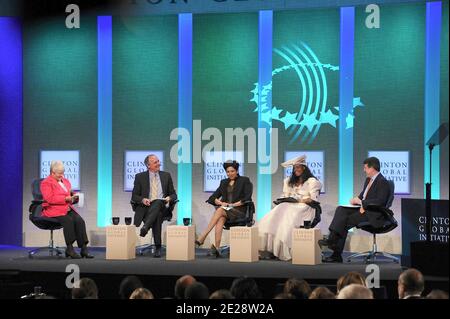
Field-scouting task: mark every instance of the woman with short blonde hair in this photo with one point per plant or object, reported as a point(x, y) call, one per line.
point(58, 204)
point(142, 293)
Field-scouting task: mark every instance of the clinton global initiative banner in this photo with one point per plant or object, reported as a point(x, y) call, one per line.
point(214, 171)
point(414, 222)
point(71, 161)
point(134, 163)
point(315, 162)
point(394, 166)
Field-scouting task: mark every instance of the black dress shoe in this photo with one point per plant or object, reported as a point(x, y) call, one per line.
point(327, 243)
point(143, 232)
point(332, 259)
point(157, 253)
point(85, 253)
point(70, 252)
point(266, 255)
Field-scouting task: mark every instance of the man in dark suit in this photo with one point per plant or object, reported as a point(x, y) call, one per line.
point(153, 191)
point(376, 191)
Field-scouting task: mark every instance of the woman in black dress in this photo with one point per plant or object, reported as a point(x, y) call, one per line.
point(229, 199)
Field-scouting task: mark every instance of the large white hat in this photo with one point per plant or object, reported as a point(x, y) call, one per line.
point(300, 160)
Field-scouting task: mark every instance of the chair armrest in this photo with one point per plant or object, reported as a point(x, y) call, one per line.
point(172, 204)
point(135, 204)
point(243, 203)
point(377, 208)
point(313, 204)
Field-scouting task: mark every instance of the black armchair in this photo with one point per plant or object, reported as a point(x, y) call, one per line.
point(140, 250)
point(42, 222)
point(389, 224)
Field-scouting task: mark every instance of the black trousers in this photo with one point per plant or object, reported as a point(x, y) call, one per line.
point(345, 218)
point(74, 228)
point(153, 218)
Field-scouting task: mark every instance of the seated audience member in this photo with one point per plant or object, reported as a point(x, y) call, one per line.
point(299, 288)
point(285, 295)
point(245, 288)
point(355, 291)
point(221, 294)
point(322, 293)
point(196, 290)
point(128, 285)
point(87, 289)
point(352, 277)
point(437, 294)
point(142, 293)
point(181, 284)
point(410, 284)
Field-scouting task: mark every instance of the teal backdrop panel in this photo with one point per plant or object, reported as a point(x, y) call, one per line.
point(60, 103)
point(389, 77)
point(305, 94)
point(225, 68)
point(145, 94)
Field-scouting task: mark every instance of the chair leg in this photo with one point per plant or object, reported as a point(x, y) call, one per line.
point(51, 251)
point(224, 249)
point(50, 248)
point(388, 256)
point(357, 255)
point(371, 256)
point(142, 249)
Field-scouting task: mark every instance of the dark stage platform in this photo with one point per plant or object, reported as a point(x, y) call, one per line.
point(160, 275)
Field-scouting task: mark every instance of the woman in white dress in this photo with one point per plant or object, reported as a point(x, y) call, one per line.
point(275, 228)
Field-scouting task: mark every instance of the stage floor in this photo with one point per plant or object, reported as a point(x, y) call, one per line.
point(21, 273)
point(16, 258)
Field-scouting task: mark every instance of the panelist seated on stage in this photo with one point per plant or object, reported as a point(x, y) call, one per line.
point(230, 199)
point(376, 192)
point(154, 191)
point(275, 228)
point(58, 203)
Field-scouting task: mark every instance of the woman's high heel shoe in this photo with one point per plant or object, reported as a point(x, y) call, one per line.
point(198, 243)
point(214, 252)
